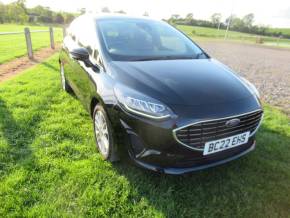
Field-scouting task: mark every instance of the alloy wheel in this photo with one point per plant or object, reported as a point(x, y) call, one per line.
point(62, 76)
point(102, 133)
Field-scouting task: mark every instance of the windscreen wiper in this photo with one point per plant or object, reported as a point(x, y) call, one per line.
point(198, 55)
point(164, 58)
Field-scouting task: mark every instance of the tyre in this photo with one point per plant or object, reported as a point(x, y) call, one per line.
point(104, 134)
point(64, 84)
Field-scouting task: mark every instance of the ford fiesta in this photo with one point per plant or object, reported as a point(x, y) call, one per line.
point(153, 92)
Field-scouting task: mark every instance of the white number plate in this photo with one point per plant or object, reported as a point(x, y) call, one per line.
point(225, 143)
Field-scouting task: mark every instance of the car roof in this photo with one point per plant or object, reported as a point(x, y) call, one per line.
point(113, 16)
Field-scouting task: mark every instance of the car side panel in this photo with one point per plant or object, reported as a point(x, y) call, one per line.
point(70, 67)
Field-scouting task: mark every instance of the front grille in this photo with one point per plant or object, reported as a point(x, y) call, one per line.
point(196, 135)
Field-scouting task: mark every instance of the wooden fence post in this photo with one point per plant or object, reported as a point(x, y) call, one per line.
point(28, 42)
point(51, 37)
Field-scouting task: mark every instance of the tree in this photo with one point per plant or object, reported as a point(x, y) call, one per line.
point(82, 10)
point(175, 16)
point(146, 14)
point(68, 18)
point(21, 3)
point(2, 13)
point(42, 14)
point(248, 20)
point(262, 29)
point(189, 17)
point(173, 19)
point(106, 10)
point(237, 24)
point(16, 12)
point(59, 18)
point(216, 19)
point(120, 12)
point(233, 21)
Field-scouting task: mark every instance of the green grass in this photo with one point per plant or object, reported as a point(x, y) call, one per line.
point(13, 46)
point(49, 165)
point(282, 30)
point(201, 33)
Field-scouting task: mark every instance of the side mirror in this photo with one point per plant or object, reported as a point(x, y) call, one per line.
point(80, 54)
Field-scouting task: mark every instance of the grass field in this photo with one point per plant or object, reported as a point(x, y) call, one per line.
point(49, 165)
point(282, 30)
point(13, 46)
point(211, 33)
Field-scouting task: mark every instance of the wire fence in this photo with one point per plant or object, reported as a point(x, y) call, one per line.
point(16, 44)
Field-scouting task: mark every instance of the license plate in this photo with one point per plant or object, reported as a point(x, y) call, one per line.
point(225, 143)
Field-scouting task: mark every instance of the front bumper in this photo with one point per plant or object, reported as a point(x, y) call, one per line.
point(195, 167)
point(152, 145)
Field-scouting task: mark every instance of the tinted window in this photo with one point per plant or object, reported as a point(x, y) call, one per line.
point(140, 39)
point(96, 54)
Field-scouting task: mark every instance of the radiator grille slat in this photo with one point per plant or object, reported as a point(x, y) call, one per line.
point(196, 135)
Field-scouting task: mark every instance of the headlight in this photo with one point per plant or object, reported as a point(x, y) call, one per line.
point(251, 87)
point(141, 104)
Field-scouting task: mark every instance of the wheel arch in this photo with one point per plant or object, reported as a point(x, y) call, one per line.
point(94, 102)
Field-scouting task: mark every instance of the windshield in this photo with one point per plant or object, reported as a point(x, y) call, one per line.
point(140, 39)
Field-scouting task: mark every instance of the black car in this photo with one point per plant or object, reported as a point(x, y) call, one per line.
point(153, 92)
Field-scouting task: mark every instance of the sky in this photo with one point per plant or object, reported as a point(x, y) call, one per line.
point(275, 13)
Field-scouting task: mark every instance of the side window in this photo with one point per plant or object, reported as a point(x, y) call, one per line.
point(86, 34)
point(96, 54)
point(97, 58)
point(81, 32)
point(86, 45)
point(90, 50)
point(72, 29)
point(71, 34)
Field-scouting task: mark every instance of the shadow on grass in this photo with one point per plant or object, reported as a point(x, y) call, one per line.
point(245, 187)
point(19, 135)
point(50, 66)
